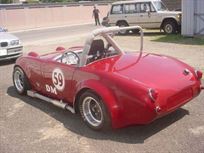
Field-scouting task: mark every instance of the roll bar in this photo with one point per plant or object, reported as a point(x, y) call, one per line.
point(105, 33)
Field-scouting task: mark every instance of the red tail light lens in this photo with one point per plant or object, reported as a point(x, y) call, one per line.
point(199, 74)
point(153, 94)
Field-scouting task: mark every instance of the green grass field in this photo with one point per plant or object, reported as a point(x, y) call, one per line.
point(179, 39)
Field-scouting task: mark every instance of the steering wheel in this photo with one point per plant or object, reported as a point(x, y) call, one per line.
point(70, 57)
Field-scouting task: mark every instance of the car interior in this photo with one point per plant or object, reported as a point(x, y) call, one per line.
point(99, 49)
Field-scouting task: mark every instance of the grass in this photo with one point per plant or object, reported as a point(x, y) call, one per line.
point(179, 39)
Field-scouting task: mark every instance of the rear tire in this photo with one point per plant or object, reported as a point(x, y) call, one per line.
point(169, 27)
point(20, 81)
point(93, 111)
point(122, 24)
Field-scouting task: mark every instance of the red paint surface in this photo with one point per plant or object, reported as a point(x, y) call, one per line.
point(122, 82)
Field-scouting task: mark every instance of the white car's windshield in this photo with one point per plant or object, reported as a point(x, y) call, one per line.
point(160, 6)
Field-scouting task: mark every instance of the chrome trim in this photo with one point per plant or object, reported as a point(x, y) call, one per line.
point(196, 73)
point(186, 72)
point(158, 109)
point(150, 94)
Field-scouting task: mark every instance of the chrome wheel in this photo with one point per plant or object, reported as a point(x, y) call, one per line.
point(92, 111)
point(18, 80)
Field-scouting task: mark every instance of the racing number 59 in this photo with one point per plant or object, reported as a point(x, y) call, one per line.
point(58, 79)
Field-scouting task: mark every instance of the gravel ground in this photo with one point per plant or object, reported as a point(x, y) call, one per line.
point(32, 126)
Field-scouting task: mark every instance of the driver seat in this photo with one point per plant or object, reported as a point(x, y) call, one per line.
point(97, 49)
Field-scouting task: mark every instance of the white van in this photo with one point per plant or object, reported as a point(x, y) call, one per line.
point(145, 13)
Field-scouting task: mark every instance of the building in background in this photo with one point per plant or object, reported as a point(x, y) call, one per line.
point(173, 4)
point(192, 17)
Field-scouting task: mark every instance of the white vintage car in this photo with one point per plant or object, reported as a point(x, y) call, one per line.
point(10, 46)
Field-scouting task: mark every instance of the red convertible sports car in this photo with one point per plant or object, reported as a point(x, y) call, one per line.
point(107, 86)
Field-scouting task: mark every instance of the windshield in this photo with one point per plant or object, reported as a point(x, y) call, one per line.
point(160, 6)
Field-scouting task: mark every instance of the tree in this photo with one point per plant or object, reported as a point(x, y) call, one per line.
point(6, 1)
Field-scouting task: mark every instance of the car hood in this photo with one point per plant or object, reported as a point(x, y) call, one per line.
point(4, 36)
point(151, 70)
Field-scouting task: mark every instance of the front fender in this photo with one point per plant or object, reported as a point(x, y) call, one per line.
point(170, 17)
point(107, 96)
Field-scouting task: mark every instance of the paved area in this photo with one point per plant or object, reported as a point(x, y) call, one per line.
point(32, 126)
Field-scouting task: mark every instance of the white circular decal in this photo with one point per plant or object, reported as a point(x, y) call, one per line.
point(58, 79)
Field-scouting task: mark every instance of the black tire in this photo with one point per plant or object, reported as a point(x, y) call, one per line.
point(136, 31)
point(104, 123)
point(169, 27)
point(122, 24)
point(20, 81)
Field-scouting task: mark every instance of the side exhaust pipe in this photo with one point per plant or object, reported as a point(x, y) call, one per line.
point(59, 104)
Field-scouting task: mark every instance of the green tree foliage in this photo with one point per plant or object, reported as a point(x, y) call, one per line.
point(6, 1)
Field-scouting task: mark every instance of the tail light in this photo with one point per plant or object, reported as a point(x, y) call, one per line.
point(199, 74)
point(153, 94)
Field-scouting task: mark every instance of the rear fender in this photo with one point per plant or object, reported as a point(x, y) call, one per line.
point(21, 62)
point(105, 94)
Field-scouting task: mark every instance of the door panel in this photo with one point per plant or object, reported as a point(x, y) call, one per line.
point(58, 80)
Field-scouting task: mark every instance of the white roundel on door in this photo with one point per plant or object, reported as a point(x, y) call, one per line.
point(58, 79)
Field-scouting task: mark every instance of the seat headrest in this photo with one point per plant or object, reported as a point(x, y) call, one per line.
point(97, 45)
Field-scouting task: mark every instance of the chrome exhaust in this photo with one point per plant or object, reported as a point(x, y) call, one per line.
point(59, 104)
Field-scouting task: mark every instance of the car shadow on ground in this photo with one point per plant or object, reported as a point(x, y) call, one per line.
point(7, 62)
point(132, 135)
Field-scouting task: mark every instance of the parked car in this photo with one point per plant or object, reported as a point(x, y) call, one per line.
point(148, 14)
point(106, 85)
point(10, 46)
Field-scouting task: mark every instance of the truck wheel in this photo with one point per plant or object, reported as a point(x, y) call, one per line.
point(93, 111)
point(169, 27)
point(20, 81)
point(122, 24)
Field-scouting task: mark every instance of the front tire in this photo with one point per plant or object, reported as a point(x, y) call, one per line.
point(93, 111)
point(20, 81)
point(169, 27)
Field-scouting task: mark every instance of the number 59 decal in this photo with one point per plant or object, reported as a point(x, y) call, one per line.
point(58, 79)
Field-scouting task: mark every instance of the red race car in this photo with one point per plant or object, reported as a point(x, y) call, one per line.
point(107, 86)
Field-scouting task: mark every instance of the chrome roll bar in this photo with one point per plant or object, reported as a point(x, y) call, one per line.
point(105, 33)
